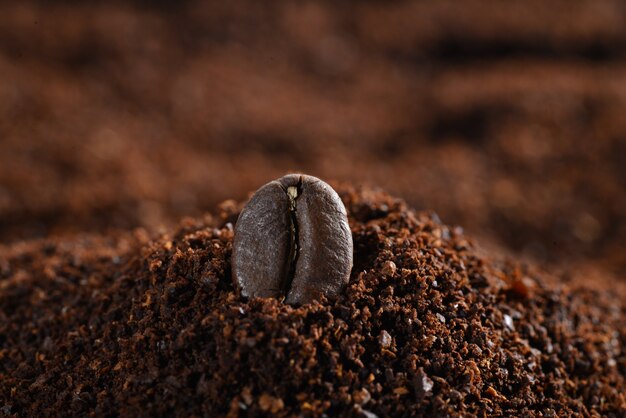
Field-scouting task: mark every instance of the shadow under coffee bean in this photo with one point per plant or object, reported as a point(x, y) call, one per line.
point(292, 241)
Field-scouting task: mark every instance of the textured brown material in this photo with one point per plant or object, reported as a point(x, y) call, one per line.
point(261, 255)
point(506, 119)
point(122, 325)
point(292, 240)
point(325, 244)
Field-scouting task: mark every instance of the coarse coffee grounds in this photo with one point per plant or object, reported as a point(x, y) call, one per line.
point(126, 325)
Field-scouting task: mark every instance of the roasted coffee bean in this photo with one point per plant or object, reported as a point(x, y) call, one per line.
point(292, 241)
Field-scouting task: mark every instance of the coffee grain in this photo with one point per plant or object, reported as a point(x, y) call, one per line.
point(293, 241)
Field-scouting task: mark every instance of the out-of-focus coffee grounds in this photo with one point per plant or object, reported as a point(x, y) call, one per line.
point(507, 119)
point(429, 326)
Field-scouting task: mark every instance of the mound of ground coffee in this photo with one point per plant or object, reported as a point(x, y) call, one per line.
point(126, 325)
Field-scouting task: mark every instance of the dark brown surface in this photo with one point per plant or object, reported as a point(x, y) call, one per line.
point(428, 326)
point(506, 119)
point(292, 241)
point(325, 256)
point(262, 257)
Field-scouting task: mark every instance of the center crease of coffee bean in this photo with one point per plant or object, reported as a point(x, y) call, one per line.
point(293, 192)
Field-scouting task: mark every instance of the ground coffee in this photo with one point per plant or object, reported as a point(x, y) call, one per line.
point(122, 325)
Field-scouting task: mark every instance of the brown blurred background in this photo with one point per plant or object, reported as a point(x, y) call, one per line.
point(506, 118)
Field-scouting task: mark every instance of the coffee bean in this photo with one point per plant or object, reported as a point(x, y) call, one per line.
point(292, 241)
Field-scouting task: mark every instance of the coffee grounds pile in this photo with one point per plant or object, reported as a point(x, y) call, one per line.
point(128, 325)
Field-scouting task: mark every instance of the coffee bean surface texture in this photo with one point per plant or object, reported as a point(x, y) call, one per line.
point(292, 241)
